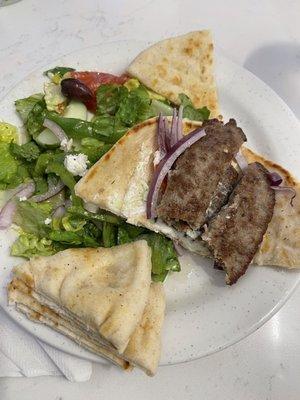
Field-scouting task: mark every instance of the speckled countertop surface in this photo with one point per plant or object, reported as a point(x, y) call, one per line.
point(263, 36)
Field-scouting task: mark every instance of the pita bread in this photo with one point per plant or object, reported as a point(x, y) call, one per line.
point(281, 242)
point(182, 64)
point(144, 346)
point(106, 289)
point(119, 181)
point(143, 349)
point(20, 294)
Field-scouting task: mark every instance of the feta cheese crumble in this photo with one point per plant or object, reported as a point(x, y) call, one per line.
point(47, 221)
point(76, 164)
point(66, 145)
point(24, 198)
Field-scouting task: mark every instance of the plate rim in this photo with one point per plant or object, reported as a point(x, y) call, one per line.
point(87, 354)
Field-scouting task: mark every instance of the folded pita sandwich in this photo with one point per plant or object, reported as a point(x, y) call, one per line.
point(103, 299)
point(182, 64)
point(208, 205)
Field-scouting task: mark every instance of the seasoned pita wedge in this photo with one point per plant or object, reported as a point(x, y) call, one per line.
point(144, 346)
point(182, 64)
point(119, 181)
point(104, 289)
point(281, 242)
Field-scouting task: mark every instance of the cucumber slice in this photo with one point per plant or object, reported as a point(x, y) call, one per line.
point(158, 106)
point(76, 109)
point(47, 139)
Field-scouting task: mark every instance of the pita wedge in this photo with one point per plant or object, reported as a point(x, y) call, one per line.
point(103, 299)
point(119, 181)
point(183, 64)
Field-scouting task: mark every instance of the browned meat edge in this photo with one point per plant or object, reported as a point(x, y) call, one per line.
point(235, 234)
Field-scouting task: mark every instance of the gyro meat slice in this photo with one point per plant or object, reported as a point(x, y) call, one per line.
point(236, 232)
point(194, 180)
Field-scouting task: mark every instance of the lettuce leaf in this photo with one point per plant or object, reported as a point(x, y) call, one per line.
point(8, 168)
point(28, 245)
point(8, 132)
point(192, 113)
point(24, 106)
point(28, 151)
point(164, 257)
point(35, 119)
point(30, 217)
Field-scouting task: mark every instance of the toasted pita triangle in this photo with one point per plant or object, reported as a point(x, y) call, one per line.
point(182, 64)
point(104, 289)
point(143, 349)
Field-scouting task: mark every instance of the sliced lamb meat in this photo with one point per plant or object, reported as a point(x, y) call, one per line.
point(235, 234)
point(193, 182)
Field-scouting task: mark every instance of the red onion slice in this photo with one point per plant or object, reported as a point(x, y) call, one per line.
point(161, 137)
point(275, 178)
point(165, 165)
point(174, 128)
point(52, 191)
point(59, 212)
point(240, 159)
point(56, 129)
point(7, 212)
point(179, 124)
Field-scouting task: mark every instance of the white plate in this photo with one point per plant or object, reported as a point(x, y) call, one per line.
point(203, 314)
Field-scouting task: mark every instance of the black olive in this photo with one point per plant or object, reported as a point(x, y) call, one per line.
point(74, 89)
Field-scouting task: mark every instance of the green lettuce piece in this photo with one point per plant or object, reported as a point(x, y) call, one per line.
point(81, 238)
point(24, 106)
point(135, 107)
point(28, 151)
point(109, 97)
point(45, 159)
point(109, 235)
point(30, 217)
point(128, 106)
point(35, 119)
point(28, 245)
point(164, 257)
point(57, 72)
point(192, 113)
point(8, 132)
point(8, 168)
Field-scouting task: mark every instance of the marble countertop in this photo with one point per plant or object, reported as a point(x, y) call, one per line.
point(264, 37)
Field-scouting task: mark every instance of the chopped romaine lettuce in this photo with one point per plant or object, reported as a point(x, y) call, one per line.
point(56, 74)
point(24, 106)
point(54, 99)
point(35, 119)
point(164, 257)
point(28, 151)
point(8, 133)
point(31, 217)
point(8, 167)
point(28, 245)
point(192, 113)
point(109, 234)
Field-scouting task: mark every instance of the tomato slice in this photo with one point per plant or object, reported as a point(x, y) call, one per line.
point(94, 79)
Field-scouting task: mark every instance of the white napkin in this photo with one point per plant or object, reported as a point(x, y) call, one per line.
point(23, 355)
